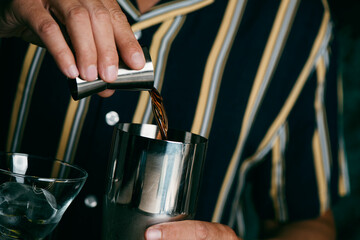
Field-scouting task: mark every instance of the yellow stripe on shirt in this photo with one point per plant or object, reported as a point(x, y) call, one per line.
point(321, 116)
point(169, 15)
point(30, 69)
point(320, 41)
point(72, 127)
point(320, 174)
point(256, 95)
point(214, 67)
point(277, 193)
point(344, 181)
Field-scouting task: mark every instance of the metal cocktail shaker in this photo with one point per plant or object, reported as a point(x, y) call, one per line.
point(127, 79)
point(150, 181)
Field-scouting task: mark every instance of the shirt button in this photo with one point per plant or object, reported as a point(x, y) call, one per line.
point(91, 201)
point(112, 118)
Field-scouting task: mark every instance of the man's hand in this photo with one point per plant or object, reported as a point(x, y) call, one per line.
point(190, 230)
point(96, 29)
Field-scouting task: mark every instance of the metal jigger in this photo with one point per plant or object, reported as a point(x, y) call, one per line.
point(127, 79)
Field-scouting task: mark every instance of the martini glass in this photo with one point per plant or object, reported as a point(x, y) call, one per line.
point(34, 194)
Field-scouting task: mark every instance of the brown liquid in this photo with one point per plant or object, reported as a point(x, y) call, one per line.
point(159, 113)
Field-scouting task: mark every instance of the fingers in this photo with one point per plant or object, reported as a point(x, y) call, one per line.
point(41, 22)
point(129, 48)
point(190, 230)
point(106, 93)
point(89, 26)
point(76, 18)
point(97, 29)
point(104, 40)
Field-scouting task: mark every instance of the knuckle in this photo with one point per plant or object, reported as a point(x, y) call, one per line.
point(110, 55)
point(61, 53)
point(118, 16)
point(132, 45)
point(48, 27)
point(201, 231)
point(101, 13)
point(77, 12)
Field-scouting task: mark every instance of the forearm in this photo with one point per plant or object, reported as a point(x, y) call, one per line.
point(321, 228)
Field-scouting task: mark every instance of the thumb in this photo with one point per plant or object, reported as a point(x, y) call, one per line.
point(190, 230)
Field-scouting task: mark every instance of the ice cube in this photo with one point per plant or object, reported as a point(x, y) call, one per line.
point(18, 199)
point(42, 207)
point(11, 208)
point(12, 201)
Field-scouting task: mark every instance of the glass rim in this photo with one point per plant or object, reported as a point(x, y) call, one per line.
point(45, 179)
point(201, 139)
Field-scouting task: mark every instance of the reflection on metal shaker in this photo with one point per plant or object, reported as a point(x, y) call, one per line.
point(151, 181)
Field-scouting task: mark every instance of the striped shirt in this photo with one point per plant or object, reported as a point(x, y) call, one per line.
point(258, 78)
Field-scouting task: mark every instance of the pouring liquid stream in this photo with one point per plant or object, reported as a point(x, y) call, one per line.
point(159, 113)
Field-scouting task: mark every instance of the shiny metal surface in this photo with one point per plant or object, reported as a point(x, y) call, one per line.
point(151, 181)
point(127, 79)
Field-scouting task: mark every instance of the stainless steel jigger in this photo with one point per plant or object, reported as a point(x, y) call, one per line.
point(127, 79)
point(149, 180)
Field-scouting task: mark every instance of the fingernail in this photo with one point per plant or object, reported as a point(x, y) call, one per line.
point(153, 234)
point(111, 73)
point(91, 73)
point(73, 71)
point(138, 60)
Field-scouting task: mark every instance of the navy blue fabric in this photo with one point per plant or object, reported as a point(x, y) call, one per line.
point(184, 72)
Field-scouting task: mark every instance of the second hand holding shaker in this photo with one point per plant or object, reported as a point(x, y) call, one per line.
point(127, 79)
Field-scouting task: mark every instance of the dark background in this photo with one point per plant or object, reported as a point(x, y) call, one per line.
point(347, 22)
